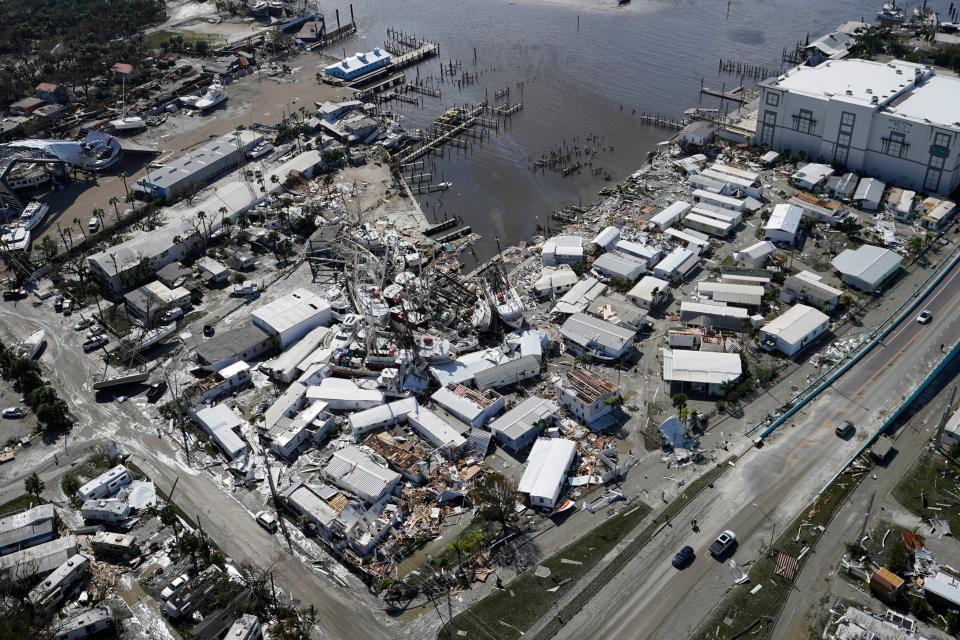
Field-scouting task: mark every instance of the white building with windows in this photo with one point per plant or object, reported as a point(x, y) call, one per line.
point(546, 470)
point(896, 121)
point(783, 225)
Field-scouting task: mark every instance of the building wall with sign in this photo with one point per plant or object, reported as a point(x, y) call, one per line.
point(868, 136)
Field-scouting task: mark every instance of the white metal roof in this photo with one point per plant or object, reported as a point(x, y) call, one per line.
point(547, 467)
point(307, 500)
point(564, 245)
point(758, 250)
point(360, 60)
point(813, 173)
point(220, 421)
point(333, 390)
point(720, 226)
point(784, 217)
point(292, 309)
point(588, 331)
point(732, 293)
point(689, 236)
point(607, 237)
point(870, 190)
point(556, 277)
point(713, 211)
point(434, 428)
point(867, 262)
point(457, 403)
point(524, 416)
point(721, 167)
point(644, 288)
point(943, 585)
point(387, 414)
point(940, 210)
point(466, 366)
point(706, 367)
point(854, 81)
point(716, 197)
point(645, 251)
point(357, 472)
point(579, 296)
point(620, 263)
point(811, 279)
point(671, 214)
point(796, 323)
point(934, 101)
point(674, 260)
point(700, 308)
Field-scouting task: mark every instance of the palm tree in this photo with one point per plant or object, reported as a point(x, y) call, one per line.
point(33, 485)
point(123, 178)
point(114, 201)
point(77, 222)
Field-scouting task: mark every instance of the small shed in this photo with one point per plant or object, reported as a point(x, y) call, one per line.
point(869, 194)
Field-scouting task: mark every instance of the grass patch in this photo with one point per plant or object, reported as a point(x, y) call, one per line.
point(748, 612)
point(530, 599)
point(929, 480)
point(18, 504)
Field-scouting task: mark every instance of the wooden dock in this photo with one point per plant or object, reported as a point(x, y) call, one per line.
point(735, 95)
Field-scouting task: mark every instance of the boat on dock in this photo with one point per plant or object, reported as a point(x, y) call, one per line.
point(33, 214)
point(503, 298)
point(890, 13)
point(127, 124)
point(30, 347)
point(213, 96)
point(15, 239)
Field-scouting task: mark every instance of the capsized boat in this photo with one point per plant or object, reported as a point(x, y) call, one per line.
point(151, 338)
point(502, 297)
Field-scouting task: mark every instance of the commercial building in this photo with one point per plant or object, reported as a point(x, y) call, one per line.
point(106, 484)
point(793, 330)
point(546, 471)
point(616, 264)
point(292, 316)
point(589, 336)
point(358, 64)
point(783, 225)
point(650, 292)
point(701, 370)
point(755, 256)
point(471, 407)
point(357, 472)
point(27, 528)
point(244, 343)
point(892, 120)
point(867, 267)
point(809, 287)
point(741, 294)
point(222, 424)
point(715, 316)
point(125, 265)
point(189, 172)
point(521, 425)
point(677, 265)
point(562, 250)
point(586, 395)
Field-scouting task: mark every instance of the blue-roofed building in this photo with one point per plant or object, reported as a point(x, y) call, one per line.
point(358, 65)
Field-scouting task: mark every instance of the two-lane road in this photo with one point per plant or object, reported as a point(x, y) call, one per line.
point(768, 487)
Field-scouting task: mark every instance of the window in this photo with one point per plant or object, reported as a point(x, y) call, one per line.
point(804, 122)
point(768, 128)
point(894, 145)
point(941, 139)
point(773, 99)
point(847, 119)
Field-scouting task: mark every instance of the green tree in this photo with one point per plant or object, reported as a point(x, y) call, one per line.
point(33, 485)
point(496, 497)
point(679, 400)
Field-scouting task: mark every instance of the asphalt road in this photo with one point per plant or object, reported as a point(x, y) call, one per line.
point(768, 487)
point(341, 612)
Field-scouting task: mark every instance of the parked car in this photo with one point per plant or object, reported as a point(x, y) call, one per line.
point(14, 412)
point(15, 294)
point(267, 520)
point(95, 343)
point(67, 307)
point(724, 543)
point(156, 390)
point(82, 324)
point(174, 586)
point(96, 330)
point(846, 430)
point(684, 557)
point(58, 304)
point(925, 316)
point(94, 224)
